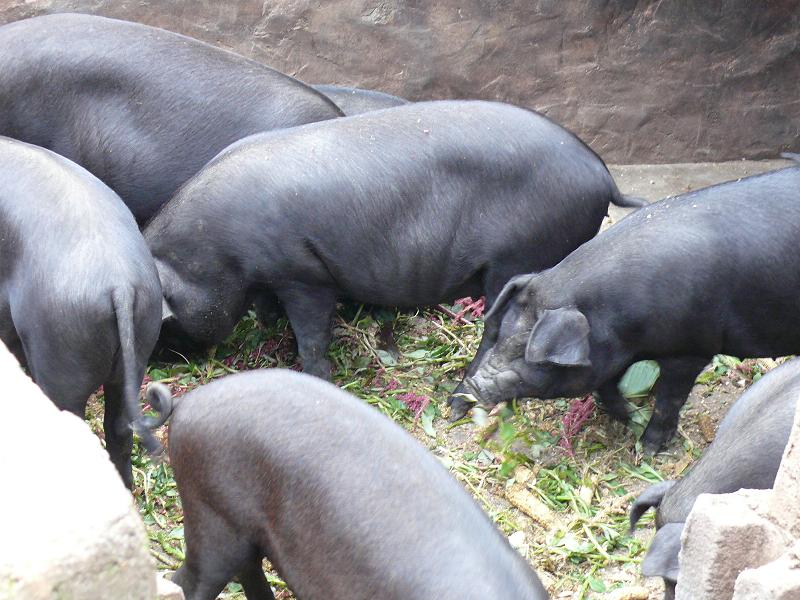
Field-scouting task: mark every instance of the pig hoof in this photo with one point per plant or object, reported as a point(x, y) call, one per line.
point(619, 415)
point(653, 441)
point(458, 408)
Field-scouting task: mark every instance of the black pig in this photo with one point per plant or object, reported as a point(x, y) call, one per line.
point(141, 108)
point(714, 271)
point(80, 301)
point(407, 206)
point(341, 500)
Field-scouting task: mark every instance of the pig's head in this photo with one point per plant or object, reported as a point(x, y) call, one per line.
point(201, 278)
point(536, 351)
point(198, 310)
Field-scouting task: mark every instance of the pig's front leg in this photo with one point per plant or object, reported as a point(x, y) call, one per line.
point(612, 400)
point(268, 308)
point(676, 381)
point(310, 310)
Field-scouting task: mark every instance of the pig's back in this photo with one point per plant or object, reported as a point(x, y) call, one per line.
point(62, 215)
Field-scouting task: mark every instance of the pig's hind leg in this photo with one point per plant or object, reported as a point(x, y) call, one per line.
point(676, 381)
point(60, 372)
point(254, 582)
point(119, 435)
point(215, 553)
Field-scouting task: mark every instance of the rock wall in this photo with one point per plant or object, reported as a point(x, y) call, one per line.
point(640, 81)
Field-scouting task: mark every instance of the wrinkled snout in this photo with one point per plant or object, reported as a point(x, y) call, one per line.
point(491, 385)
point(478, 389)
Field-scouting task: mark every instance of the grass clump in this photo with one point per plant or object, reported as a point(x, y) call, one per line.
point(565, 512)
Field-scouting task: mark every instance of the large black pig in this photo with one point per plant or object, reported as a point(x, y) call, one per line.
point(408, 206)
point(714, 271)
point(80, 301)
point(141, 108)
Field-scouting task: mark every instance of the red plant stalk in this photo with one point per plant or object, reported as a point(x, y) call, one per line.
point(579, 412)
point(415, 403)
point(474, 307)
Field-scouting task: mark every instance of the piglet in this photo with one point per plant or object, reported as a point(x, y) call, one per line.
point(343, 502)
point(745, 454)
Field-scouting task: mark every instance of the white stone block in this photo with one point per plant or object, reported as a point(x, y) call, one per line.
point(724, 534)
point(69, 528)
point(778, 580)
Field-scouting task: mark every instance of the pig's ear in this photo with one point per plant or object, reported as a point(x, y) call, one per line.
point(661, 559)
point(166, 310)
point(560, 337)
point(514, 285)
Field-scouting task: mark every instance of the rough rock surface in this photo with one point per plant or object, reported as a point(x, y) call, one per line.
point(640, 81)
point(168, 590)
point(725, 535)
point(778, 580)
point(746, 545)
point(69, 527)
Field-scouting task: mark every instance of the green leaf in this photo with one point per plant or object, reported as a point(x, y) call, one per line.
point(574, 545)
point(707, 377)
point(508, 466)
point(417, 354)
point(507, 432)
point(427, 420)
point(386, 358)
point(729, 361)
point(597, 585)
point(639, 379)
point(158, 374)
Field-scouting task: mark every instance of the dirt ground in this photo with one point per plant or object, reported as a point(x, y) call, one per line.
point(564, 510)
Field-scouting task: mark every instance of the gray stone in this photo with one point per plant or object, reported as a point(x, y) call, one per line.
point(166, 590)
point(725, 534)
point(69, 526)
point(778, 580)
point(784, 507)
point(641, 82)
